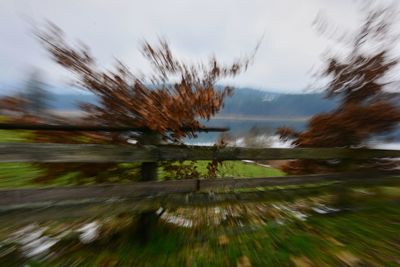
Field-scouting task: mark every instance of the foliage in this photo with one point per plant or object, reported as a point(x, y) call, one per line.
point(11, 105)
point(180, 170)
point(170, 102)
point(227, 168)
point(359, 81)
point(212, 166)
point(173, 98)
point(36, 97)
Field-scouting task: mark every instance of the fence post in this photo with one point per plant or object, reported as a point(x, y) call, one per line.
point(147, 220)
point(148, 170)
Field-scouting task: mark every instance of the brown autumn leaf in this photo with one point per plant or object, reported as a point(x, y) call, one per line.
point(223, 240)
point(243, 261)
point(301, 261)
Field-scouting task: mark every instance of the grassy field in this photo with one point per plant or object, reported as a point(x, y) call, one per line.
point(24, 174)
point(240, 169)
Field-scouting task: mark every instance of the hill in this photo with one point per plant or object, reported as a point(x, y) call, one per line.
point(245, 101)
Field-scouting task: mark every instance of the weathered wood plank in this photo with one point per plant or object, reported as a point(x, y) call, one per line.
point(93, 128)
point(87, 153)
point(271, 194)
point(91, 153)
point(287, 180)
point(100, 192)
point(71, 211)
point(152, 189)
point(93, 209)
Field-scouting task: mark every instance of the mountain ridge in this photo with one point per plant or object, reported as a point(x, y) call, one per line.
point(245, 101)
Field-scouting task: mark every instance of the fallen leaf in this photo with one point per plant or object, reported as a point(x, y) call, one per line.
point(223, 240)
point(243, 262)
point(334, 241)
point(348, 258)
point(301, 261)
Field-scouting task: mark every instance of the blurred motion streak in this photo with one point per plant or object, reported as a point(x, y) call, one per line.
point(121, 181)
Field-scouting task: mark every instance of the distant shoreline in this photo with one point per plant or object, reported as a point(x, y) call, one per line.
point(233, 117)
point(239, 117)
point(68, 113)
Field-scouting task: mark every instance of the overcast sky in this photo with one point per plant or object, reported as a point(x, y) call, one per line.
point(196, 29)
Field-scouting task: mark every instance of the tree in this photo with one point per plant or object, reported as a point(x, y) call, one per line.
point(12, 106)
point(170, 102)
point(31, 104)
point(36, 96)
point(160, 102)
point(359, 80)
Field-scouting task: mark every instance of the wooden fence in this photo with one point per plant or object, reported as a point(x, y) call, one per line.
point(95, 153)
point(89, 153)
point(22, 152)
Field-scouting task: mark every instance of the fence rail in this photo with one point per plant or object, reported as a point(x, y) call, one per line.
point(93, 128)
point(91, 153)
point(99, 153)
point(90, 208)
point(156, 189)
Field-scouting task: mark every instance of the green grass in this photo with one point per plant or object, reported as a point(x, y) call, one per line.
point(24, 174)
point(232, 168)
point(367, 236)
point(12, 136)
point(17, 174)
point(240, 169)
